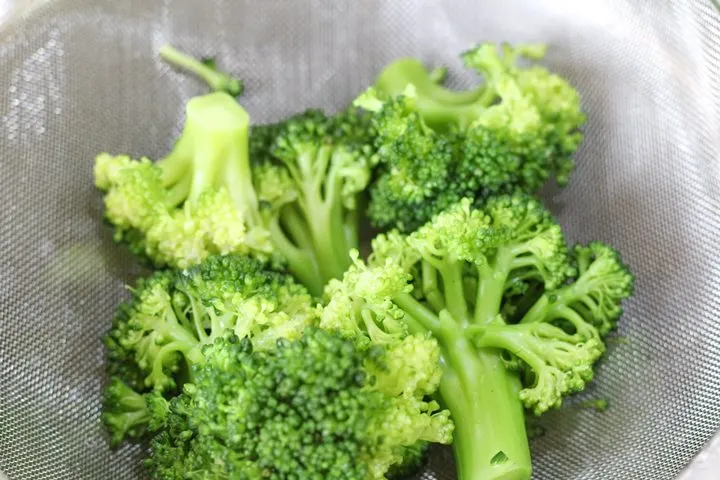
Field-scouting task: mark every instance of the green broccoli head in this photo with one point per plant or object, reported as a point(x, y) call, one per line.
point(309, 408)
point(313, 173)
point(198, 200)
point(518, 316)
point(436, 146)
point(120, 360)
point(594, 297)
point(129, 414)
point(173, 314)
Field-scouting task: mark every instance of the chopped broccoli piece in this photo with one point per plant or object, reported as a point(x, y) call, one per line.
point(449, 280)
point(197, 201)
point(129, 414)
point(295, 201)
point(436, 146)
point(160, 332)
point(318, 407)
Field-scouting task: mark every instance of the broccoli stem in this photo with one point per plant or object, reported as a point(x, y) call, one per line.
point(430, 287)
point(174, 169)
point(301, 263)
point(350, 229)
point(438, 75)
point(293, 224)
point(490, 440)
point(179, 192)
point(451, 274)
point(326, 231)
point(482, 395)
point(490, 288)
point(324, 238)
point(544, 309)
point(217, 81)
point(320, 208)
point(339, 233)
point(419, 314)
point(438, 105)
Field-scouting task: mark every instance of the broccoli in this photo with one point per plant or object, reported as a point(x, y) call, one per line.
point(321, 406)
point(296, 200)
point(308, 182)
point(449, 280)
point(206, 69)
point(129, 414)
point(198, 200)
point(436, 146)
point(159, 334)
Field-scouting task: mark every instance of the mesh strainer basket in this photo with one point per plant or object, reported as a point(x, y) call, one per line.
point(82, 76)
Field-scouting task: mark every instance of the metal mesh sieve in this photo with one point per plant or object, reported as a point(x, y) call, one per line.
point(81, 76)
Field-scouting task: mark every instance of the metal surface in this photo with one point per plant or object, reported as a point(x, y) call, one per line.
point(81, 76)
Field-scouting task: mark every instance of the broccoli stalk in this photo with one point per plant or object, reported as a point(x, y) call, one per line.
point(198, 200)
point(490, 441)
point(206, 70)
point(439, 105)
point(212, 152)
point(450, 280)
point(442, 108)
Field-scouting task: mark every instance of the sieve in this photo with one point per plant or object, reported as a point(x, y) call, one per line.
point(82, 76)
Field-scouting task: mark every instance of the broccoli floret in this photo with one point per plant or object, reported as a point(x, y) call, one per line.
point(296, 200)
point(436, 146)
point(451, 280)
point(159, 334)
point(316, 168)
point(206, 69)
point(173, 314)
point(594, 297)
point(415, 165)
point(197, 201)
point(129, 414)
point(120, 361)
point(321, 406)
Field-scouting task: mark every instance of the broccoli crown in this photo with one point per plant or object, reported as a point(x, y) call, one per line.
point(309, 172)
point(198, 200)
point(415, 164)
point(436, 146)
point(518, 315)
point(286, 192)
point(173, 313)
point(315, 407)
point(129, 414)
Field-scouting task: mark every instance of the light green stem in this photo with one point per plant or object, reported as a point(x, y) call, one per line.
point(490, 440)
point(451, 273)
point(491, 286)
